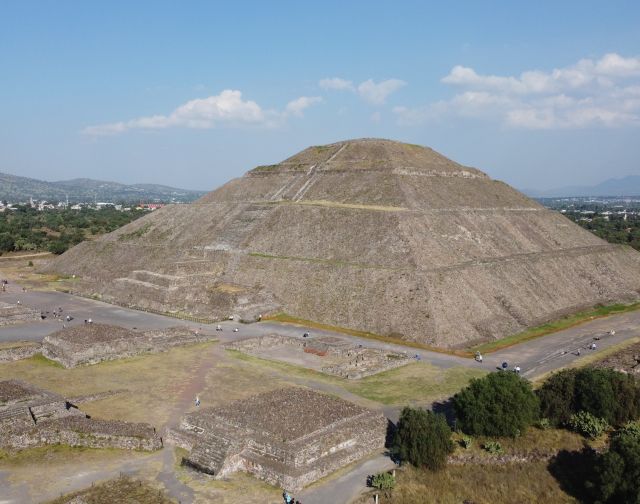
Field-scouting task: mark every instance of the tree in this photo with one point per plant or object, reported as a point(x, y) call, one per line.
point(6, 242)
point(422, 438)
point(556, 397)
point(499, 404)
point(617, 472)
point(604, 393)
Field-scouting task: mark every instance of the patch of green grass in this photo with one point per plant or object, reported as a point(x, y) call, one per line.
point(416, 382)
point(41, 359)
point(555, 326)
point(50, 454)
point(288, 319)
point(264, 168)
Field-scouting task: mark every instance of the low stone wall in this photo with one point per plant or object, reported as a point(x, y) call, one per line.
point(76, 352)
point(81, 431)
point(355, 362)
point(19, 352)
point(16, 314)
point(30, 416)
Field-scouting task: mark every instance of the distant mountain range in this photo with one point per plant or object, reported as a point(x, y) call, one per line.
point(626, 186)
point(19, 189)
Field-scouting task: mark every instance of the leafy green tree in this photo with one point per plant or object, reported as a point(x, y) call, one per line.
point(556, 397)
point(422, 438)
point(6, 242)
point(499, 404)
point(617, 472)
point(604, 393)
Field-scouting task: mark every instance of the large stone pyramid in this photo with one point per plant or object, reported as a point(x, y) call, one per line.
point(375, 235)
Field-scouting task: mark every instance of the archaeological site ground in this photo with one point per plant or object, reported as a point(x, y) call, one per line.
point(267, 337)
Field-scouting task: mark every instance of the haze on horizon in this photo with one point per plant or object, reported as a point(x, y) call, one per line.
point(191, 95)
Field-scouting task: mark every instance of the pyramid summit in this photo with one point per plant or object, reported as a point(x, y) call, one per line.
point(368, 234)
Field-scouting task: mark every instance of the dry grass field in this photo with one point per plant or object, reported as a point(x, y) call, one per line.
point(477, 484)
point(118, 490)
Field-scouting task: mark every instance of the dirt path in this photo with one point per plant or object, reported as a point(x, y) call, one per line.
point(197, 383)
point(26, 256)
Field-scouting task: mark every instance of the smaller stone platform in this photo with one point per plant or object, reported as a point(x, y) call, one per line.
point(327, 354)
point(31, 416)
point(88, 344)
point(288, 437)
point(11, 314)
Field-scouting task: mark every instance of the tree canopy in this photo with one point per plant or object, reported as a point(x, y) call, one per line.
point(499, 404)
point(422, 438)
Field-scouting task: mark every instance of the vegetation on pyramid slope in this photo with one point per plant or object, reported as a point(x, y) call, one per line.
point(369, 234)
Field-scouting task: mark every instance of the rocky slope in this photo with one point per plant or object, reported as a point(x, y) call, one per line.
point(369, 234)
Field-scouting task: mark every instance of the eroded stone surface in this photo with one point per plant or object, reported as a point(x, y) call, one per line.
point(289, 437)
point(93, 343)
point(368, 234)
point(327, 354)
point(11, 314)
point(30, 416)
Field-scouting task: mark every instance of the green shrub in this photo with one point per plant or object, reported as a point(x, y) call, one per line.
point(499, 404)
point(466, 442)
point(617, 472)
point(604, 393)
point(588, 425)
point(383, 481)
point(493, 447)
point(543, 424)
point(30, 263)
point(422, 438)
point(631, 428)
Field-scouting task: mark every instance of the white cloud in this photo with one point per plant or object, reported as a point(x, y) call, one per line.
point(603, 92)
point(227, 108)
point(296, 107)
point(377, 93)
point(369, 90)
point(336, 83)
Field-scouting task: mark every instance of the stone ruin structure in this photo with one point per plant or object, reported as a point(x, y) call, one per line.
point(288, 437)
point(18, 350)
point(30, 417)
point(327, 354)
point(15, 314)
point(626, 360)
point(370, 234)
point(87, 344)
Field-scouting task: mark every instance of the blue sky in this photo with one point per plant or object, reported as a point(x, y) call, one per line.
point(192, 94)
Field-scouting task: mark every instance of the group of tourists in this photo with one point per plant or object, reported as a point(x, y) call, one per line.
point(288, 499)
point(505, 366)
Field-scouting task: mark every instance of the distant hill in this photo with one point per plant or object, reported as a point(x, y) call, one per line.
point(626, 186)
point(16, 189)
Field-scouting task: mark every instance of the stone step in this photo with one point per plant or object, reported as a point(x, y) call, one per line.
point(155, 278)
point(209, 455)
point(14, 413)
point(132, 282)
